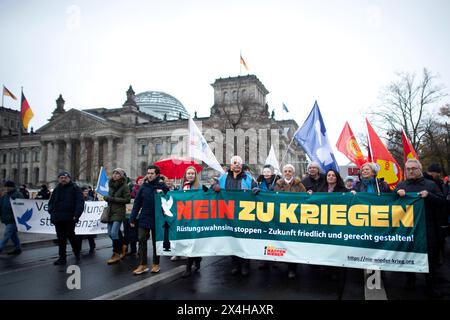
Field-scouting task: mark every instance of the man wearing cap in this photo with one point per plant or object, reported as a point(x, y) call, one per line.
point(7, 216)
point(65, 207)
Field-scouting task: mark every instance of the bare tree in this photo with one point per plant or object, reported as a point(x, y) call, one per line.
point(406, 103)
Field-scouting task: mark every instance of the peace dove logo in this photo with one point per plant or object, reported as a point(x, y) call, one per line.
point(167, 205)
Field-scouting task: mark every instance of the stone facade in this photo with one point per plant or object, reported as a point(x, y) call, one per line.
point(81, 141)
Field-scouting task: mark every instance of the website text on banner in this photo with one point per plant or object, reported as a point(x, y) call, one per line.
point(32, 216)
point(366, 231)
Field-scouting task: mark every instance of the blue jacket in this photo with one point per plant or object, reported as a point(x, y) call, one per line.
point(6, 212)
point(144, 203)
point(66, 203)
point(245, 179)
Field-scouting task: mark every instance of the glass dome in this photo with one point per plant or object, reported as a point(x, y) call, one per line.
point(156, 103)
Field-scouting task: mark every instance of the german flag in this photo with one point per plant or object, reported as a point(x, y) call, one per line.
point(8, 93)
point(243, 63)
point(26, 112)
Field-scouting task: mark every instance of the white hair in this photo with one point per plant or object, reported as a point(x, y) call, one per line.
point(414, 160)
point(289, 166)
point(237, 159)
point(314, 164)
point(373, 166)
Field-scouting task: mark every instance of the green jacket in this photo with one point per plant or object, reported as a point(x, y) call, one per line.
point(117, 198)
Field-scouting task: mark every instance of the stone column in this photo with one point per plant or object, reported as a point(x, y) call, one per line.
point(95, 151)
point(56, 160)
point(83, 158)
point(29, 179)
point(68, 157)
point(50, 162)
point(110, 154)
point(165, 147)
point(9, 159)
point(42, 163)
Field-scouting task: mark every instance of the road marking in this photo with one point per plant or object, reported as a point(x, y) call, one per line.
point(117, 294)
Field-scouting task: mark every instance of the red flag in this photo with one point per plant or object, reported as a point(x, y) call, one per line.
point(348, 145)
point(8, 93)
point(26, 112)
point(408, 150)
point(389, 168)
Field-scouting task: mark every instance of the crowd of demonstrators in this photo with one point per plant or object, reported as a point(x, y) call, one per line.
point(236, 179)
point(7, 217)
point(117, 198)
point(434, 200)
point(290, 183)
point(65, 207)
point(144, 206)
point(89, 237)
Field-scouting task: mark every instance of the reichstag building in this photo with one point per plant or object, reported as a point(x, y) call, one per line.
point(148, 127)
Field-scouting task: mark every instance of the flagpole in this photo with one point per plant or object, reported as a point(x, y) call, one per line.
point(19, 165)
point(371, 155)
point(240, 63)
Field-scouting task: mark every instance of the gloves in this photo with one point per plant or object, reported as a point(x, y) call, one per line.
point(205, 188)
point(217, 188)
point(256, 190)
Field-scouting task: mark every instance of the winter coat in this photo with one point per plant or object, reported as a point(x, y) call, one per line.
point(243, 181)
point(6, 212)
point(295, 186)
point(117, 198)
point(43, 194)
point(144, 204)
point(433, 201)
point(265, 185)
point(359, 186)
point(443, 214)
point(313, 184)
point(66, 203)
point(337, 188)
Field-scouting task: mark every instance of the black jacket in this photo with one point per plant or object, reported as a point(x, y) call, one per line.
point(6, 212)
point(313, 184)
point(66, 203)
point(144, 204)
point(433, 201)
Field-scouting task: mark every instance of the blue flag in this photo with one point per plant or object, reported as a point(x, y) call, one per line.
point(312, 136)
point(102, 184)
point(285, 108)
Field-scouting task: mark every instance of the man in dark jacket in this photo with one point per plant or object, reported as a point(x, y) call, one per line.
point(7, 216)
point(65, 207)
point(315, 179)
point(44, 193)
point(433, 197)
point(144, 205)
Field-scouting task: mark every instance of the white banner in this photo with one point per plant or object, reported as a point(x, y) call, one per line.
point(32, 216)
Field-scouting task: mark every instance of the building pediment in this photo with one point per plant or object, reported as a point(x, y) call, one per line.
point(74, 120)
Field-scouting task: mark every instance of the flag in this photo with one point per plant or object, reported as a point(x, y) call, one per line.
point(312, 136)
point(243, 63)
point(102, 183)
point(389, 168)
point(408, 150)
point(285, 108)
point(199, 148)
point(26, 112)
point(273, 161)
point(348, 145)
point(8, 93)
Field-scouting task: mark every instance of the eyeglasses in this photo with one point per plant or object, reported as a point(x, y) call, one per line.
point(412, 169)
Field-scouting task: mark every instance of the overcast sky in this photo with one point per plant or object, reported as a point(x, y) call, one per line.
point(340, 53)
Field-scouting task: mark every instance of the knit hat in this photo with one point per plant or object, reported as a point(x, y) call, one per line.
point(64, 174)
point(434, 167)
point(10, 184)
point(120, 171)
point(139, 178)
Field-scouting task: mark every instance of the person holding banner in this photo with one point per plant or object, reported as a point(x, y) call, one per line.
point(7, 217)
point(65, 207)
point(434, 199)
point(266, 181)
point(290, 183)
point(117, 198)
point(89, 237)
point(144, 206)
point(315, 178)
point(369, 182)
point(236, 179)
point(191, 182)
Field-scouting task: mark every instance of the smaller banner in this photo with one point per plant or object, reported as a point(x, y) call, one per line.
point(32, 216)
